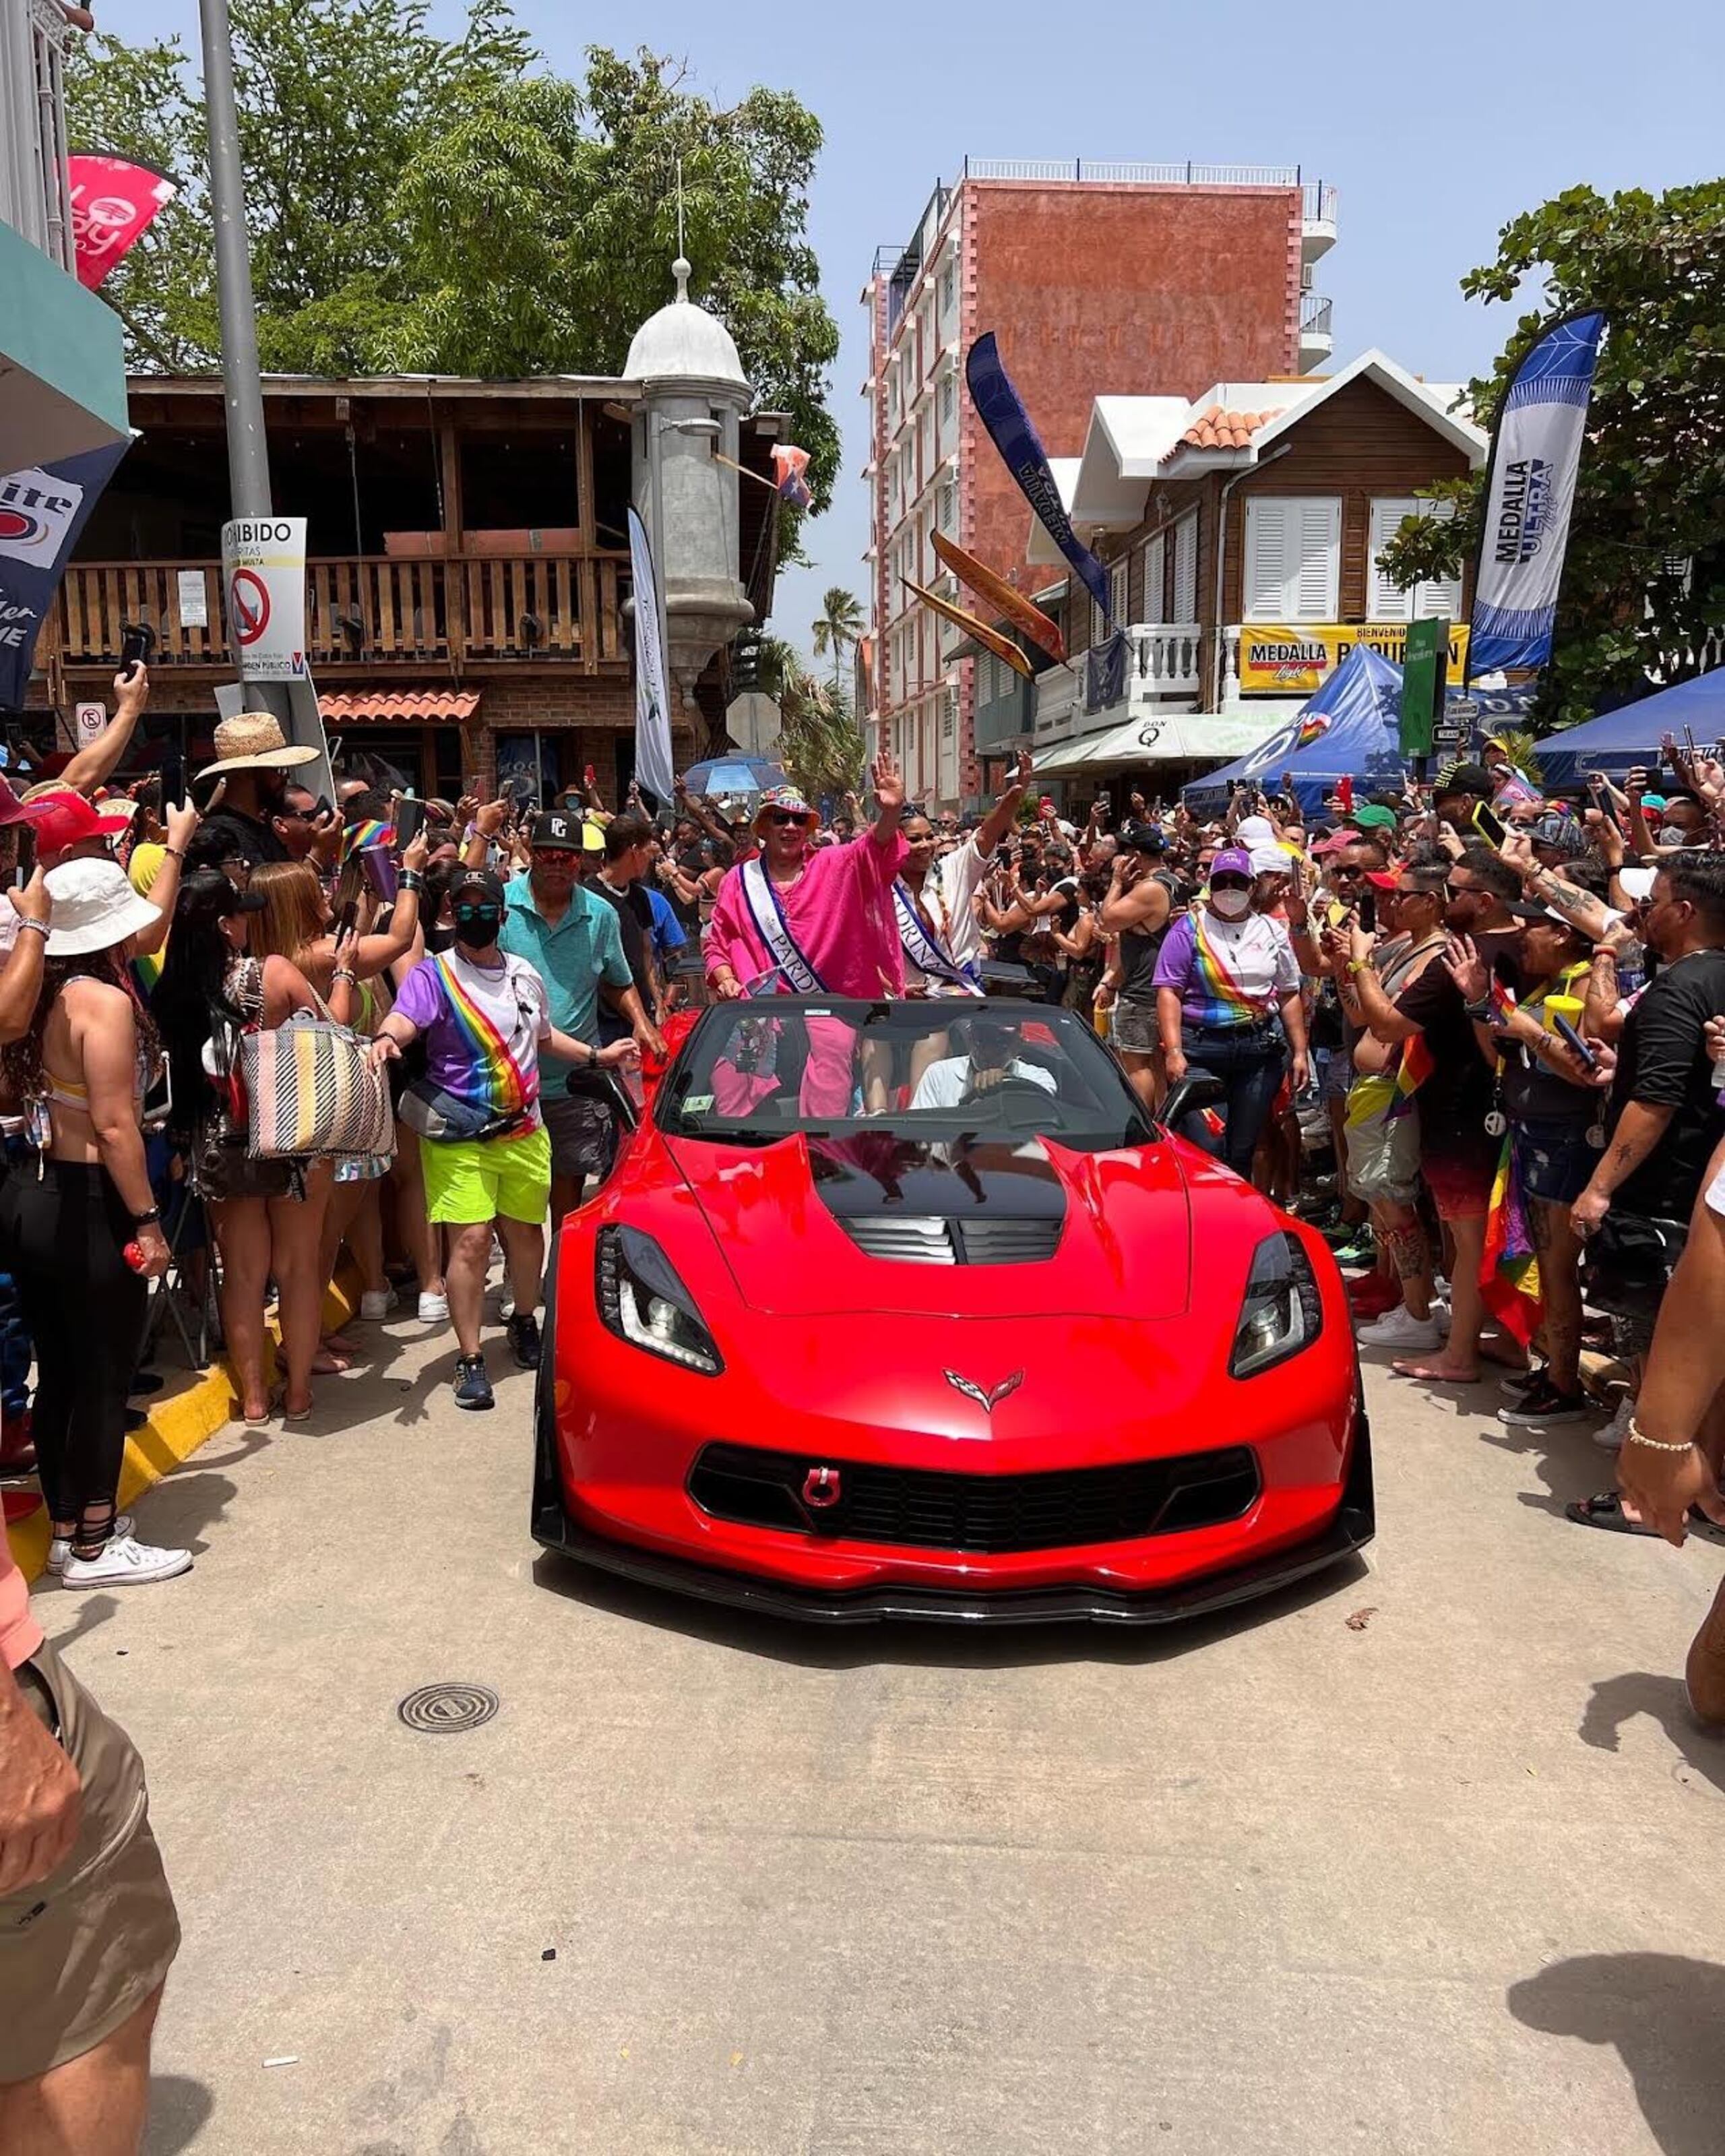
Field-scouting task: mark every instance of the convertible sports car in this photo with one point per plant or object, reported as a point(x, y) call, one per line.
point(909, 1310)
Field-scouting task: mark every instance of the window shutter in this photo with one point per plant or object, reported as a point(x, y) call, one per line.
point(1383, 601)
point(1186, 569)
point(1443, 597)
point(1117, 574)
point(1155, 553)
point(1267, 550)
point(1318, 588)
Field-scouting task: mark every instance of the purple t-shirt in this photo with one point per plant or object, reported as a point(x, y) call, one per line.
point(482, 1027)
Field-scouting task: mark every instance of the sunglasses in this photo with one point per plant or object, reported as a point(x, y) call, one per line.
point(784, 816)
point(1462, 890)
point(1230, 883)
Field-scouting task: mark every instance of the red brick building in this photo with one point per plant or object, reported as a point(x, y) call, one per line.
point(1127, 279)
point(467, 574)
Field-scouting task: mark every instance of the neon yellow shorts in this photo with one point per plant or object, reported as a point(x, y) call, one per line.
point(469, 1180)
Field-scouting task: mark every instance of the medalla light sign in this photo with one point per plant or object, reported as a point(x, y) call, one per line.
point(1530, 492)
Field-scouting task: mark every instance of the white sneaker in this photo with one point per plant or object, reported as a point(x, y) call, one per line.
point(1614, 1434)
point(433, 1309)
point(376, 1304)
point(1400, 1328)
point(125, 1564)
point(1440, 1317)
point(60, 1548)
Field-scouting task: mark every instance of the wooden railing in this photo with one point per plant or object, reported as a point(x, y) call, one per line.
point(361, 609)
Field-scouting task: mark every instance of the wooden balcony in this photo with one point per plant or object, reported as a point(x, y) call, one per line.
point(362, 611)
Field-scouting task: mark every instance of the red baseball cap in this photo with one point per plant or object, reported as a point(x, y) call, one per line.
point(63, 818)
point(1336, 841)
point(1385, 878)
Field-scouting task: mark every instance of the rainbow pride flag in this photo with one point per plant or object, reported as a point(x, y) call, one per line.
point(1509, 1270)
point(1416, 1065)
point(361, 838)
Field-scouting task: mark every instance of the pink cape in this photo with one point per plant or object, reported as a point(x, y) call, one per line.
point(840, 910)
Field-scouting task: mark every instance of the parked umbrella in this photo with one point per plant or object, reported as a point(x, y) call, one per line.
point(733, 774)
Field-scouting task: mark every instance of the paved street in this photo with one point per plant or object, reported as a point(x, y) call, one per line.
point(1444, 1883)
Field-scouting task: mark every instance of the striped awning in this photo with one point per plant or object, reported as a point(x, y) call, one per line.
point(399, 708)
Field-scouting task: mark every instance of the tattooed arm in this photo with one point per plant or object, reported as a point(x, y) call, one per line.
point(1640, 1129)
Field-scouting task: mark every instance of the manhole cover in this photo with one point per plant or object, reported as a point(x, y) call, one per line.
point(440, 1709)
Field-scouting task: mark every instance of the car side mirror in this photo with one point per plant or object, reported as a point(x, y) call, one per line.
point(1201, 1090)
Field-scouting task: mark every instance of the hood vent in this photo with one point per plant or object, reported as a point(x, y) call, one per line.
point(920, 1239)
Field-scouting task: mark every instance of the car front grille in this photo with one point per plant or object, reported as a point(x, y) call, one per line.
point(925, 1239)
point(982, 1514)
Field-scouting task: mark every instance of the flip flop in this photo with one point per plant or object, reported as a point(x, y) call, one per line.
point(1606, 1510)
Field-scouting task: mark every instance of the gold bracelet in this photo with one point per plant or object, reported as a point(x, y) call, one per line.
point(1652, 1443)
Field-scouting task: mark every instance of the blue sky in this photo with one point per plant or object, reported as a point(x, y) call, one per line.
point(1437, 126)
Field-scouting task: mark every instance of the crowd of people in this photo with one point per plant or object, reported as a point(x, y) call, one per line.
point(1467, 1029)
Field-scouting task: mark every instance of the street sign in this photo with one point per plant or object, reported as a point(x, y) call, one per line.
point(263, 579)
point(1424, 675)
point(754, 722)
point(92, 721)
point(193, 599)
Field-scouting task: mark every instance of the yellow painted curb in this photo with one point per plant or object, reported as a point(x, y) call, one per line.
point(179, 1423)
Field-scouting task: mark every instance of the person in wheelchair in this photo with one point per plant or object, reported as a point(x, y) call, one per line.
point(990, 1064)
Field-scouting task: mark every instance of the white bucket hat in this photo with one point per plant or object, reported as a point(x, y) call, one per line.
point(95, 908)
point(253, 741)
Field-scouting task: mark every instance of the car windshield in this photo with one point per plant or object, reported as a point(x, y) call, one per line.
point(755, 1072)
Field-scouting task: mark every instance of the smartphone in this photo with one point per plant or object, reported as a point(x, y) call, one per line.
point(1575, 1040)
point(136, 642)
point(173, 777)
point(409, 820)
point(1368, 912)
point(1489, 824)
point(346, 918)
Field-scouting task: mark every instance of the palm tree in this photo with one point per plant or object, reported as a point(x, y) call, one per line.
point(840, 623)
point(820, 744)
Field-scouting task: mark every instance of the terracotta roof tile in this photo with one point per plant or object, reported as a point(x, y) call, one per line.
point(1217, 427)
point(400, 707)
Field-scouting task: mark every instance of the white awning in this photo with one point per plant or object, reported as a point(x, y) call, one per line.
point(1213, 737)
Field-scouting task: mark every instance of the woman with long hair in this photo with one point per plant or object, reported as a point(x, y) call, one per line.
point(211, 991)
point(80, 1228)
point(298, 923)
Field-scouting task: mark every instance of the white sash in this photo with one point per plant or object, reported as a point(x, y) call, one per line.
point(927, 951)
point(775, 930)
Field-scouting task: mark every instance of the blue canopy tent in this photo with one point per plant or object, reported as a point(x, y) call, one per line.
point(1347, 728)
point(1632, 734)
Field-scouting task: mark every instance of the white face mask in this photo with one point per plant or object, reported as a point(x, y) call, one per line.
point(1231, 905)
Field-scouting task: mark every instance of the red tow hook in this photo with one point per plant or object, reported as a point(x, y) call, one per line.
point(821, 1488)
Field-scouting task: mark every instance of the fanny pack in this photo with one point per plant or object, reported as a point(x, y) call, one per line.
point(446, 1119)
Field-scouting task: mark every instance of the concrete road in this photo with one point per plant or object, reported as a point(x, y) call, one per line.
point(1269, 1886)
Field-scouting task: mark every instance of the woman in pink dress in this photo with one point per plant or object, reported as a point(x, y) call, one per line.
point(814, 921)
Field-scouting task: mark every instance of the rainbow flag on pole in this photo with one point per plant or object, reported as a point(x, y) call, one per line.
point(1509, 1270)
point(1416, 1065)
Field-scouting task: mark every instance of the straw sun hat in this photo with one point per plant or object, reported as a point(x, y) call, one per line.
point(253, 741)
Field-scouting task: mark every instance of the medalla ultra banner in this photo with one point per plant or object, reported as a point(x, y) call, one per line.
point(1003, 413)
point(1530, 492)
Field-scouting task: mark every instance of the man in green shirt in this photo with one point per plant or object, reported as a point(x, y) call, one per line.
point(572, 941)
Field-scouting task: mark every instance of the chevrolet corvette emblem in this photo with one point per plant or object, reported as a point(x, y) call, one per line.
point(986, 1401)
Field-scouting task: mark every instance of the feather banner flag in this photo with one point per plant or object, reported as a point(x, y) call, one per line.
point(1530, 492)
point(1002, 412)
point(1006, 598)
point(990, 639)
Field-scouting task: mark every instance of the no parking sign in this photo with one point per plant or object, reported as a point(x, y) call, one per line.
point(264, 591)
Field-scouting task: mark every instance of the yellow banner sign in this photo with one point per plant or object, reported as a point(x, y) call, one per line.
point(1291, 657)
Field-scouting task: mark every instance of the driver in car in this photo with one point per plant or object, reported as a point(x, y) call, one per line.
point(955, 1080)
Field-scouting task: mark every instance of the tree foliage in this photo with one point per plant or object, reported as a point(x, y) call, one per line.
point(1644, 582)
point(821, 745)
point(426, 205)
point(839, 625)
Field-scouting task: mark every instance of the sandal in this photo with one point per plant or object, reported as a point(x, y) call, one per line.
point(1606, 1510)
point(278, 1405)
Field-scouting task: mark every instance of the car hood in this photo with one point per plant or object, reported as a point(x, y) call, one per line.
point(1028, 1229)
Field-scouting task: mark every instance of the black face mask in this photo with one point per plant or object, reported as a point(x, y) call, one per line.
point(478, 924)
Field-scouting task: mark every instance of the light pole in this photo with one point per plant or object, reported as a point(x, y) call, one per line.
point(242, 392)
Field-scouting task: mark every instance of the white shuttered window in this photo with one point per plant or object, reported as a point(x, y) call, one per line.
point(1117, 574)
point(1423, 601)
point(1293, 558)
point(1185, 607)
point(1153, 551)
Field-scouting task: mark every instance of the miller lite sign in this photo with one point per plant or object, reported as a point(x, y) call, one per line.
point(42, 511)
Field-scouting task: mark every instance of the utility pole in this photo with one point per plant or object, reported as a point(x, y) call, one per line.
point(242, 393)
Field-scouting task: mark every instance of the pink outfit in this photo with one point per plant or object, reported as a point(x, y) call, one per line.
point(840, 910)
point(20, 1635)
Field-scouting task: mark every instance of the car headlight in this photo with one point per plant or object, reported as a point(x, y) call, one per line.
point(642, 1301)
point(1282, 1312)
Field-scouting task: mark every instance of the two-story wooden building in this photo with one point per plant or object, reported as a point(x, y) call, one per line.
point(467, 576)
point(1241, 533)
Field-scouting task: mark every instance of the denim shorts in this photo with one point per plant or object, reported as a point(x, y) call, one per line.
point(1555, 1160)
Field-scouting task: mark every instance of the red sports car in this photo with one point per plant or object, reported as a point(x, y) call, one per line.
point(910, 1309)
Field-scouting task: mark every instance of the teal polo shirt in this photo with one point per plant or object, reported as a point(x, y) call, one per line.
point(584, 948)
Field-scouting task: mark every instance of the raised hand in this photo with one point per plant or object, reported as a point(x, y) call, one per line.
point(888, 782)
point(1463, 964)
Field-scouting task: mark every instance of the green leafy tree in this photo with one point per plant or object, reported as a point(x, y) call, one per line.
point(1644, 585)
point(839, 624)
point(429, 205)
point(821, 745)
